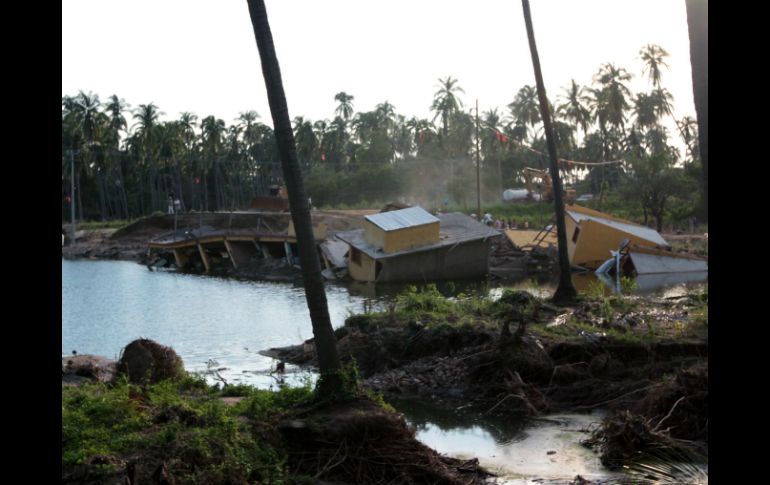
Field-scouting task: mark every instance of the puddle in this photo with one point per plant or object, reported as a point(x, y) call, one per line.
point(532, 451)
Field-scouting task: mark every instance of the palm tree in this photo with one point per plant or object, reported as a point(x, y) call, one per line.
point(574, 107)
point(330, 383)
point(697, 25)
point(445, 102)
point(145, 139)
point(524, 107)
point(614, 93)
point(491, 141)
point(115, 108)
point(688, 130)
point(345, 108)
point(212, 137)
point(187, 123)
point(663, 102)
point(644, 111)
point(652, 55)
point(565, 292)
point(306, 140)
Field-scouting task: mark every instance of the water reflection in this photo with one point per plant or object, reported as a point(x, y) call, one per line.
point(521, 451)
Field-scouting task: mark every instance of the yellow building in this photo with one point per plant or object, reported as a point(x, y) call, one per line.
point(398, 230)
point(591, 235)
point(413, 245)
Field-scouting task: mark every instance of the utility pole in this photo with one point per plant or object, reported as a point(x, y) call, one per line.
point(72, 195)
point(478, 165)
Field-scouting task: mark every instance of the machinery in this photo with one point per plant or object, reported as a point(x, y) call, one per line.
point(530, 173)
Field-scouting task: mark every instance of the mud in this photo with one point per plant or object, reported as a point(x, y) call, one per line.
point(655, 387)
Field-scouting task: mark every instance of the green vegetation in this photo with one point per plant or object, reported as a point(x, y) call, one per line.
point(365, 158)
point(186, 425)
point(113, 224)
point(428, 306)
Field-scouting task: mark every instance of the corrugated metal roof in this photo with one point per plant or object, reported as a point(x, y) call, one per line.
point(454, 229)
point(652, 263)
point(639, 231)
point(393, 220)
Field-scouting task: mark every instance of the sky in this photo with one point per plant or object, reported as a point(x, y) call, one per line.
point(201, 56)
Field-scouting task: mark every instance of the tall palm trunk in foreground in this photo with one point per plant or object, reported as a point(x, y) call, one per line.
point(565, 292)
point(697, 24)
point(325, 340)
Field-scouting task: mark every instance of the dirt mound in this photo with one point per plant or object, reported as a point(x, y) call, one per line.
point(506, 375)
point(360, 442)
point(145, 360)
point(680, 405)
point(673, 417)
point(78, 368)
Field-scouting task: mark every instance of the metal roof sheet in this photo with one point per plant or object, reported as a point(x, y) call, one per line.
point(639, 231)
point(454, 229)
point(653, 263)
point(393, 220)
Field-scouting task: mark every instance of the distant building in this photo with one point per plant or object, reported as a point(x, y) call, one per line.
point(413, 245)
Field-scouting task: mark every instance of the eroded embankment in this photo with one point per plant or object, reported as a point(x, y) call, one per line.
point(143, 420)
point(520, 355)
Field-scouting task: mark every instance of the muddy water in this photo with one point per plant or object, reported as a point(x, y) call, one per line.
point(526, 451)
point(218, 326)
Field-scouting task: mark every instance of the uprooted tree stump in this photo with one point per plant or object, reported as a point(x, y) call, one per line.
point(146, 361)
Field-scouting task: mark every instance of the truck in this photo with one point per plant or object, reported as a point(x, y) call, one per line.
point(530, 173)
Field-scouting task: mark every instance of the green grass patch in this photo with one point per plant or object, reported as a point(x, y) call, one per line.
point(185, 425)
point(91, 225)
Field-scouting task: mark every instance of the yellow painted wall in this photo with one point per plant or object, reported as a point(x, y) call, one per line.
point(363, 271)
point(570, 228)
point(373, 234)
point(595, 242)
point(411, 237)
point(401, 239)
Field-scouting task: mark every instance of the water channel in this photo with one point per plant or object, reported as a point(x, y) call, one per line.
point(218, 326)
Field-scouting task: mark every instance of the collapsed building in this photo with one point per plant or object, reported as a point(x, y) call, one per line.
point(413, 245)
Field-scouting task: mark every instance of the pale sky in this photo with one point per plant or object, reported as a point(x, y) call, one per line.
point(201, 56)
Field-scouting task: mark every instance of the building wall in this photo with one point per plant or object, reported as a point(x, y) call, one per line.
point(570, 225)
point(595, 242)
point(468, 260)
point(361, 272)
point(411, 237)
point(373, 234)
point(401, 239)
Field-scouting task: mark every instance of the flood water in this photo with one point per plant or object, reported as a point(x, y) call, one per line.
point(520, 451)
point(219, 325)
point(212, 323)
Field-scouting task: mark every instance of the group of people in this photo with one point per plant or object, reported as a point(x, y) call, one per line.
point(502, 223)
point(174, 205)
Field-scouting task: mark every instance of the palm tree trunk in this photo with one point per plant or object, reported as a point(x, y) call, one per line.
point(565, 292)
point(80, 199)
point(331, 382)
point(697, 24)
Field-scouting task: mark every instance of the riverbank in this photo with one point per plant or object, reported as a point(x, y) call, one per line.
point(185, 431)
point(643, 360)
point(441, 335)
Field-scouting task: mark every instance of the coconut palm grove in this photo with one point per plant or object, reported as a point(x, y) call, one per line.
point(611, 141)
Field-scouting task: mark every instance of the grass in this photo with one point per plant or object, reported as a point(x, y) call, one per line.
point(91, 225)
point(183, 424)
